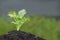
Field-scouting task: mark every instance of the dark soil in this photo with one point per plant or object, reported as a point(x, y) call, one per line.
point(19, 35)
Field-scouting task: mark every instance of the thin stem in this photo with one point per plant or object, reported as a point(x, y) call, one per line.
point(18, 27)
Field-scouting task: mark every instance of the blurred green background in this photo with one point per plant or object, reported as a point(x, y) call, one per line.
point(48, 28)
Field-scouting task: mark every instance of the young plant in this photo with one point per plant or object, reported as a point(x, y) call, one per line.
point(18, 19)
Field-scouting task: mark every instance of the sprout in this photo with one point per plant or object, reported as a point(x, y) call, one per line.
point(19, 18)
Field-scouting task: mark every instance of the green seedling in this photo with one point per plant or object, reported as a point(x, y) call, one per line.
point(18, 19)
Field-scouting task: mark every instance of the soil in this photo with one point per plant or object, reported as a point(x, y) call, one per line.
point(19, 35)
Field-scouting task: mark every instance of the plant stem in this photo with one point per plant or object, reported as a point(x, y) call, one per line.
point(18, 28)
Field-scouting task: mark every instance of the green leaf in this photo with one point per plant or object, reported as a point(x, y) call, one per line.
point(21, 13)
point(12, 14)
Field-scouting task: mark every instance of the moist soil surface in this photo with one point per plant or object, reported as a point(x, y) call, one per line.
point(19, 35)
